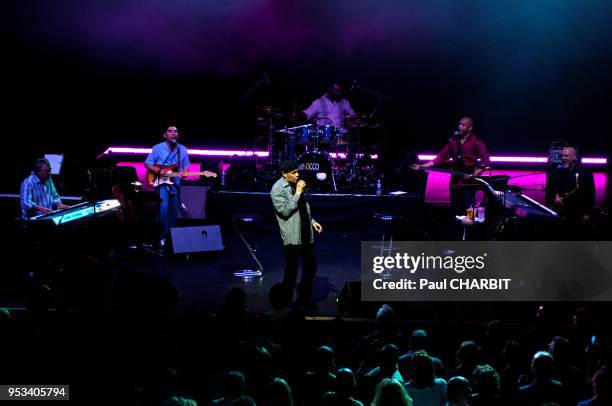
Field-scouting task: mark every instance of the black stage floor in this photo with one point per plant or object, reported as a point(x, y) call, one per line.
point(116, 274)
point(203, 279)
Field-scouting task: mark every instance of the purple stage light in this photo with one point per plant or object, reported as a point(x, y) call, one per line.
point(197, 152)
point(532, 184)
point(523, 159)
point(595, 161)
point(211, 152)
point(341, 155)
point(520, 159)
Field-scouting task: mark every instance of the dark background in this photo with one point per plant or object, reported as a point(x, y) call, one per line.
point(80, 75)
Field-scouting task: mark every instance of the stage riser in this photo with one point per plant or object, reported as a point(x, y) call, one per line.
point(335, 212)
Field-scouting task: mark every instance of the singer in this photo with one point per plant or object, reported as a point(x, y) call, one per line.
point(469, 158)
point(296, 224)
point(168, 153)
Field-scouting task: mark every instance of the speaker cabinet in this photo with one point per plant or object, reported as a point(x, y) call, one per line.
point(196, 239)
point(193, 202)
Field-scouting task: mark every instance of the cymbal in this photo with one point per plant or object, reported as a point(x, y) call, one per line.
point(358, 124)
point(293, 130)
point(266, 116)
point(268, 109)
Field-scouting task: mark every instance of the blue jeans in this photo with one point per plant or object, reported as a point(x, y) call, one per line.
point(168, 208)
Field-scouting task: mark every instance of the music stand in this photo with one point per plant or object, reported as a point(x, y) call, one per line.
point(500, 197)
point(56, 161)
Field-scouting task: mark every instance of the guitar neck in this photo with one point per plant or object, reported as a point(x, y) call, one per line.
point(175, 174)
point(443, 170)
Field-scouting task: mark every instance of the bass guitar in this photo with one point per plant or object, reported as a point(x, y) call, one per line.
point(163, 175)
point(459, 183)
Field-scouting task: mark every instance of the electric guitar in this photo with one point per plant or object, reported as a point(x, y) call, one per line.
point(164, 175)
point(562, 204)
point(445, 170)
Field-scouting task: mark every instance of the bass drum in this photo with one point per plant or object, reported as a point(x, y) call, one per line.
point(315, 168)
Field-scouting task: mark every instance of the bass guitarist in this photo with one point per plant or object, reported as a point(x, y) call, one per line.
point(163, 158)
point(469, 157)
point(571, 187)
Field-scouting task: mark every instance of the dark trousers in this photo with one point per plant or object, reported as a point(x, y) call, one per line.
point(309, 269)
point(461, 196)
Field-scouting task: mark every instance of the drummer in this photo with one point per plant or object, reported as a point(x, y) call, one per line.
point(329, 109)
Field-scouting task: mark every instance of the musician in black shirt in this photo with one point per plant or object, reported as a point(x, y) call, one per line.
point(571, 189)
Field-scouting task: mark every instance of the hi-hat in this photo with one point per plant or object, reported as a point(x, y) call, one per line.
point(354, 122)
point(268, 109)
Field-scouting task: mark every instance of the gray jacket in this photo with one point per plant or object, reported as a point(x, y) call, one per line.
point(286, 208)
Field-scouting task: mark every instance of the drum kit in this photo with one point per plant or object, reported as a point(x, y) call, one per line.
point(312, 147)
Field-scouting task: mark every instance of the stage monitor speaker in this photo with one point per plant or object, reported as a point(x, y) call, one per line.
point(193, 202)
point(196, 239)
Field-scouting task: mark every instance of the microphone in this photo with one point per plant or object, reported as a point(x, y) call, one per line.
point(353, 85)
point(456, 133)
point(559, 166)
point(305, 191)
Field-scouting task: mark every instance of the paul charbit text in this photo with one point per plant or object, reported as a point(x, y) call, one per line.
point(452, 284)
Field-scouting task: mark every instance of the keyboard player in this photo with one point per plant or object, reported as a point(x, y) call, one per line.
point(38, 194)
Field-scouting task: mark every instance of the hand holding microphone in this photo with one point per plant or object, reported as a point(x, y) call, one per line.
point(301, 185)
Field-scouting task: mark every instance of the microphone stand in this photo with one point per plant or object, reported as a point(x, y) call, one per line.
point(261, 81)
point(379, 95)
point(501, 198)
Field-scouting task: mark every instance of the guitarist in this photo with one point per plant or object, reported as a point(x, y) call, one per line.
point(573, 188)
point(168, 153)
point(469, 158)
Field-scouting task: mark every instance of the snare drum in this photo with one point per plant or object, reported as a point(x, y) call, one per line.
point(315, 168)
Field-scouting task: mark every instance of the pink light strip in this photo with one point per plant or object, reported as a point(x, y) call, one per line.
point(199, 152)
point(520, 159)
point(211, 152)
point(264, 154)
point(524, 159)
point(597, 161)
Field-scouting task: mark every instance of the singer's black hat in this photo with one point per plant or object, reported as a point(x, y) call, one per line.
point(288, 166)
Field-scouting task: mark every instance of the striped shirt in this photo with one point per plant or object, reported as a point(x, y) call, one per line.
point(36, 192)
point(328, 112)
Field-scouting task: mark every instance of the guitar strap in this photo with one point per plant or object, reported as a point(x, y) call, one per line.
point(165, 161)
